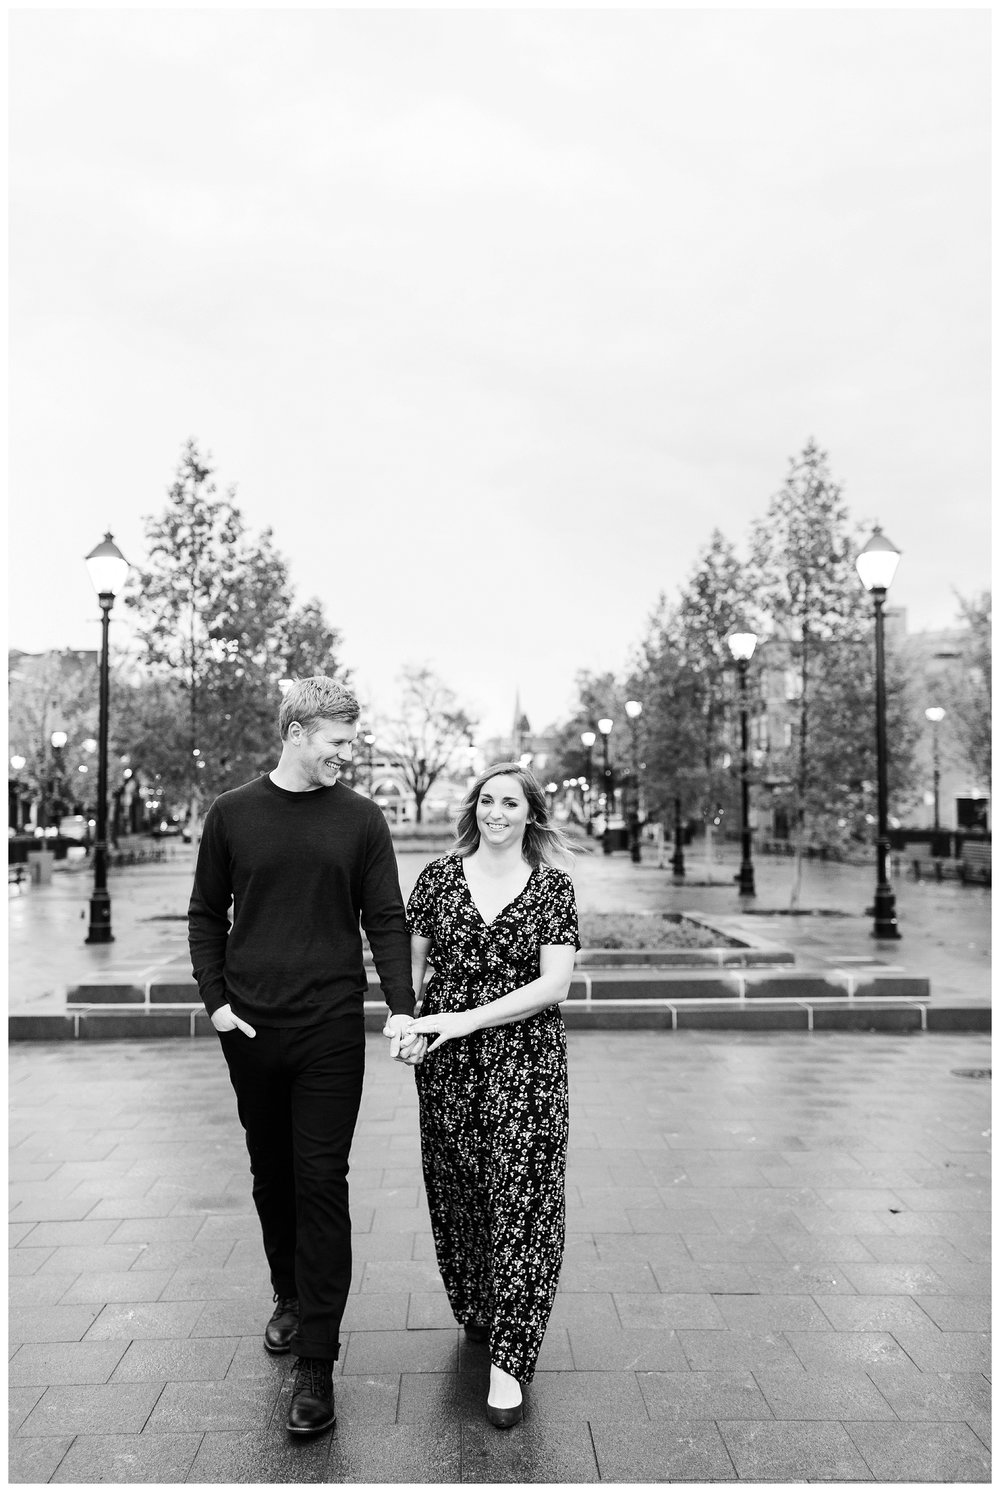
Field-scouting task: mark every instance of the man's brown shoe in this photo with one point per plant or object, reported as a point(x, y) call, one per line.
point(283, 1324)
point(311, 1409)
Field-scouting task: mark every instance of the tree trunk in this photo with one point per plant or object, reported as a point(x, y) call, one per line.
point(801, 778)
point(194, 820)
point(709, 848)
point(796, 892)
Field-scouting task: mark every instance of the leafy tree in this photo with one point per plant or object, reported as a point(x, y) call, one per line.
point(714, 603)
point(599, 696)
point(822, 635)
point(217, 631)
point(426, 735)
point(684, 679)
point(672, 721)
point(842, 799)
point(968, 694)
point(802, 570)
point(54, 691)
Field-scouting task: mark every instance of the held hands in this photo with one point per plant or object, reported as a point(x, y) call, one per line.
point(223, 1019)
point(404, 1044)
point(449, 1026)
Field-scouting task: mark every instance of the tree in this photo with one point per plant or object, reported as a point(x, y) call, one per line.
point(217, 631)
point(599, 696)
point(672, 719)
point(802, 572)
point(684, 679)
point(842, 799)
point(714, 603)
point(54, 691)
point(424, 738)
point(969, 692)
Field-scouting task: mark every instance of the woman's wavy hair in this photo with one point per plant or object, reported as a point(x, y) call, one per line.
point(543, 843)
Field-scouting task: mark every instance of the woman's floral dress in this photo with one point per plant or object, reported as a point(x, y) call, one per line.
point(494, 1108)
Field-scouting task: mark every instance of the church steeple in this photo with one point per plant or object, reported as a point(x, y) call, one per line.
point(521, 730)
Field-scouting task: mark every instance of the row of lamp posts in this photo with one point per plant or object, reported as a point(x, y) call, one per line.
point(588, 739)
point(876, 566)
point(52, 797)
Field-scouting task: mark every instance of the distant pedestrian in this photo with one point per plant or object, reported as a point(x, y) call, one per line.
point(497, 920)
point(301, 859)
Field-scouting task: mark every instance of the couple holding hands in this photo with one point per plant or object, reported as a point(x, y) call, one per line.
point(290, 867)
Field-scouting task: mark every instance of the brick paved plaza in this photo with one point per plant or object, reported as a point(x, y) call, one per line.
point(777, 1270)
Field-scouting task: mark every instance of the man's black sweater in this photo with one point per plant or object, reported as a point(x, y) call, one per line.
point(300, 870)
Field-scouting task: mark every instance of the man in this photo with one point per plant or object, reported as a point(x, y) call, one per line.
point(301, 859)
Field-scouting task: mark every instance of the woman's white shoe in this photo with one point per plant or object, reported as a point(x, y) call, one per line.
point(504, 1405)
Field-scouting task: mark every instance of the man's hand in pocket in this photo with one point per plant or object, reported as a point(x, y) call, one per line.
point(223, 1019)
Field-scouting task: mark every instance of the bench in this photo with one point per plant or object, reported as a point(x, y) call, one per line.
point(976, 862)
point(942, 869)
point(117, 859)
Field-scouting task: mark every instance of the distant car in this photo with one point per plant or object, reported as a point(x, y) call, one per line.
point(165, 829)
point(74, 826)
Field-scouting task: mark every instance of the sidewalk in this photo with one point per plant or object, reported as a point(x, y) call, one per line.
point(945, 928)
point(777, 1270)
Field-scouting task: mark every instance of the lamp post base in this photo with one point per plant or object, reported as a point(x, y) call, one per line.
point(745, 881)
point(884, 912)
point(100, 919)
point(677, 859)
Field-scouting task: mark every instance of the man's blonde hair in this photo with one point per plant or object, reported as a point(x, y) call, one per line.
point(310, 701)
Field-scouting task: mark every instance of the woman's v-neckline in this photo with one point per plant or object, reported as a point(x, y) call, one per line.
point(506, 906)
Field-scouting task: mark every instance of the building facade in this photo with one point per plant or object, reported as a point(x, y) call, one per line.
point(931, 659)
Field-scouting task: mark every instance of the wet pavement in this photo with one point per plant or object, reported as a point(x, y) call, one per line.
point(945, 928)
point(777, 1269)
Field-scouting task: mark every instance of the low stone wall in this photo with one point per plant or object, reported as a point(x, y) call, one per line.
point(731, 989)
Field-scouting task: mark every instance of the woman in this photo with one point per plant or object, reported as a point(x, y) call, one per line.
point(497, 920)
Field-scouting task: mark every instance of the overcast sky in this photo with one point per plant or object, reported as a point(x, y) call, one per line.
point(493, 316)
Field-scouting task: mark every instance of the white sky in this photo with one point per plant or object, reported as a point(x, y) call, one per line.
point(494, 315)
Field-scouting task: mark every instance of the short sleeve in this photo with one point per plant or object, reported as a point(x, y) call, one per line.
point(420, 906)
point(559, 921)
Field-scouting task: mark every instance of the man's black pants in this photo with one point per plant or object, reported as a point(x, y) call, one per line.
point(298, 1091)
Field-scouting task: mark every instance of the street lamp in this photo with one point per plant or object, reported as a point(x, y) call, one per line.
point(876, 565)
point(633, 710)
point(605, 727)
point(551, 788)
point(15, 800)
point(108, 568)
point(741, 645)
point(89, 746)
point(935, 714)
point(58, 739)
point(588, 737)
